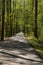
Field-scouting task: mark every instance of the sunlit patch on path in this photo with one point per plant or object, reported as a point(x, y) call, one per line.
point(18, 51)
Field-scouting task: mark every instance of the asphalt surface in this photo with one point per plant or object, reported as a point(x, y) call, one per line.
point(18, 51)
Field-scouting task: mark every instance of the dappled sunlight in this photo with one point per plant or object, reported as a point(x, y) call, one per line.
point(21, 32)
point(19, 53)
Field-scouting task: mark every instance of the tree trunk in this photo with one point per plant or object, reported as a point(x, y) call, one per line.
point(3, 13)
point(7, 20)
point(24, 17)
point(36, 10)
point(10, 19)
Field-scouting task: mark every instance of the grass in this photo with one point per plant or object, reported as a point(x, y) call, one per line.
point(35, 43)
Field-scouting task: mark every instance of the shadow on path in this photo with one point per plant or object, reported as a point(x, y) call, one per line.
point(15, 56)
point(19, 49)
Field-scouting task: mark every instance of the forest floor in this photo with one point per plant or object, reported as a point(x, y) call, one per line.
point(37, 44)
point(18, 51)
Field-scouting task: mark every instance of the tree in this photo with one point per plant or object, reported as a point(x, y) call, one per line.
point(36, 13)
point(3, 13)
point(24, 17)
point(7, 11)
point(10, 18)
point(15, 16)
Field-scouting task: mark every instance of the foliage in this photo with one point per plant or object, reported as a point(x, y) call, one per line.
point(22, 16)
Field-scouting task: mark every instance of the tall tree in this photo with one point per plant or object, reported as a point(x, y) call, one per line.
point(3, 13)
point(24, 17)
point(7, 9)
point(10, 19)
point(36, 13)
point(15, 16)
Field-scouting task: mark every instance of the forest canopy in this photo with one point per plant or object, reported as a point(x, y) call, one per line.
point(21, 15)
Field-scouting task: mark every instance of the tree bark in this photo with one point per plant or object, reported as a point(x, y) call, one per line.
point(24, 17)
point(3, 13)
point(10, 19)
point(36, 11)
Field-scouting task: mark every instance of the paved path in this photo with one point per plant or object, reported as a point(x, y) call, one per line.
point(17, 51)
